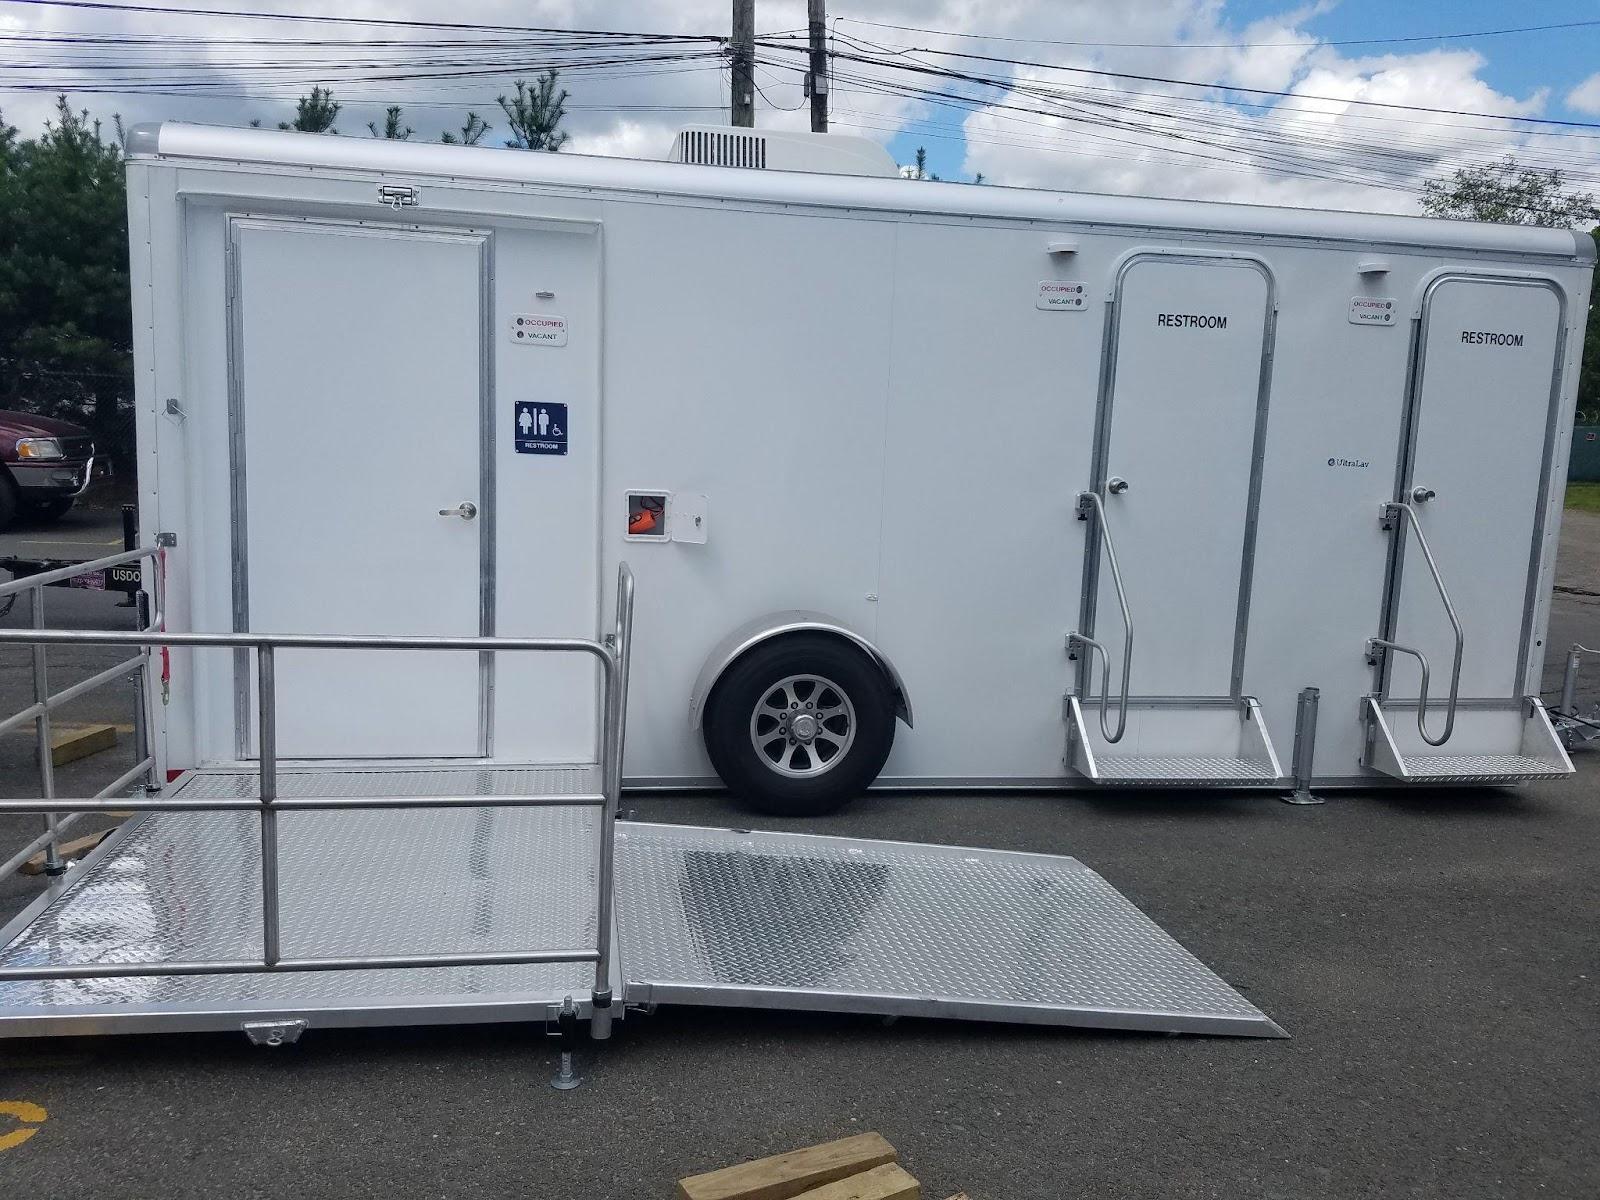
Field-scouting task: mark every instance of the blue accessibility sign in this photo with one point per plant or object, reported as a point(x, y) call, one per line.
point(541, 428)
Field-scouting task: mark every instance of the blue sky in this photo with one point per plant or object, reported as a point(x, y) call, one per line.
point(1060, 125)
point(1515, 64)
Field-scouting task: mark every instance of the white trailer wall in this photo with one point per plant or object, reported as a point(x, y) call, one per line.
point(887, 426)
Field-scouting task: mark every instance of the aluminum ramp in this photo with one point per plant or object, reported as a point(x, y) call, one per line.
point(703, 916)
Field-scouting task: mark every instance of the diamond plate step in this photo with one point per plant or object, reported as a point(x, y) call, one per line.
point(1181, 769)
point(1513, 743)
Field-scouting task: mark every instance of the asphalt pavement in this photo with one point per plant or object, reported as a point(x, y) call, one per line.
point(1432, 953)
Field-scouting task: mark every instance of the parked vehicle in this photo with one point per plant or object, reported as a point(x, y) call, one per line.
point(45, 465)
point(877, 450)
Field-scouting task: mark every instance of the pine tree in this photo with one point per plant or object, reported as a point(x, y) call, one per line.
point(391, 126)
point(315, 113)
point(535, 114)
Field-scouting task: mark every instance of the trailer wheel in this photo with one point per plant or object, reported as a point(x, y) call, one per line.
point(800, 725)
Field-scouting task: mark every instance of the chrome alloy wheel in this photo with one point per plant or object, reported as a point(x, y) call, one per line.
point(803, 726)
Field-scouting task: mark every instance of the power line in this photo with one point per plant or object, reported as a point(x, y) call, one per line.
point(1101, 45)
point(1212, 85)
point(251, 14)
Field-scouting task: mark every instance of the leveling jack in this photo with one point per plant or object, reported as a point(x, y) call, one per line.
point(566, 1033)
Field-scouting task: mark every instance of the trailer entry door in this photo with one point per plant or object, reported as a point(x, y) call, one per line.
point(1475, 479)
point(1177, 469)
point(1480, 428)
point(1180, 426)
point(357, 377)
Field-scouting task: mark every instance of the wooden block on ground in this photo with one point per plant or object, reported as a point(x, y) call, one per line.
point(888, 1182)
point(76, 848)
point(786, 1175)
point(68, 743)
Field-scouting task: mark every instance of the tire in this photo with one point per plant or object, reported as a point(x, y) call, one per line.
point(51, 510)
point(8, 500)
point(811, 766)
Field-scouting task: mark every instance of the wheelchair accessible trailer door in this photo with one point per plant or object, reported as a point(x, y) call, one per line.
point(358, 384)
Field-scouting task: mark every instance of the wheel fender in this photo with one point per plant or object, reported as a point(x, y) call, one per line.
point(763, 629)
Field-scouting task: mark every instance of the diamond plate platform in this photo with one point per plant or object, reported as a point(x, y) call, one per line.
point(792, 921)
point(1481, 768)
point(1167, 770)
point(703, 916)
point(173, 887)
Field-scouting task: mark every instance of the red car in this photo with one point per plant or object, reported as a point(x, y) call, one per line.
point(45, 465)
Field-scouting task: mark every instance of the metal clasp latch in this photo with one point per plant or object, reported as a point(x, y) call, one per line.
point(397, 195)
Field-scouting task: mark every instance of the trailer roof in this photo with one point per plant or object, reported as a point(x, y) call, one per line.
point(177, 140)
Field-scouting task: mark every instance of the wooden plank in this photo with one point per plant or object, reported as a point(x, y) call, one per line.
point(888, 1182)
point(76, 848)
point(786, 1175)
point(68, 743)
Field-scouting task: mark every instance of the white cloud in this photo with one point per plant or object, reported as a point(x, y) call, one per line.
point(1092, 130)
point(1586, 96)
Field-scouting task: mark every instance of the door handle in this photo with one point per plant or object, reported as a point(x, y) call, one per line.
point(466, 510)
point(1116, 485)
point(1421, 495)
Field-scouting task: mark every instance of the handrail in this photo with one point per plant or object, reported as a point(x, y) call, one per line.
point(613, 658)
point(1455, 624)
point(44, 703)
point(1087, 500)
point(62, 574)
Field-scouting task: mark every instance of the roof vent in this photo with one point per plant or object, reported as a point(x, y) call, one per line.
point(780, 150)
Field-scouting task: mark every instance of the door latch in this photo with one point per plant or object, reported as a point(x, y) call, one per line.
point(397, 195)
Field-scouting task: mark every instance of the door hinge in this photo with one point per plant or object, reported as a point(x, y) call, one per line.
point(397, 195)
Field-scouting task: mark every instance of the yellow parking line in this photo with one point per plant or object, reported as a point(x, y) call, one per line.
point(31, 1114)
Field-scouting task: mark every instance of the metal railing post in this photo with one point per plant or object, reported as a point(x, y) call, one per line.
point(267, 749)
point(41, 724)
point(615, 717)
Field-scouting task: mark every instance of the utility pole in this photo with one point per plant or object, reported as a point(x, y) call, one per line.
point(817, 78)
point(742, 54)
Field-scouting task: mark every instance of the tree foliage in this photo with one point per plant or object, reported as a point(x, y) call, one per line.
point(1510, 194)
point(392, 128)
point(65, 329)
point(471, 133)
point(535, 114)
point(315, 113)
point(1515, 195)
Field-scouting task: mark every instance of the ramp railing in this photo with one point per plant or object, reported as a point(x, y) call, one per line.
point(136, 669)
point(612, 654)
point(1090, 502)
point(1378, 643)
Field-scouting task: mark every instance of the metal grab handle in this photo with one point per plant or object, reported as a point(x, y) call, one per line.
point(1087, 500)
point(1455, 624)
point(466, 510)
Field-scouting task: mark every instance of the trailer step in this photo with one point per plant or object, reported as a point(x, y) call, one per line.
point(1176, 744)
point(1508, 742)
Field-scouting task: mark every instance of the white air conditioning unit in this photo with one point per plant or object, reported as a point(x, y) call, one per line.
point(779, 150)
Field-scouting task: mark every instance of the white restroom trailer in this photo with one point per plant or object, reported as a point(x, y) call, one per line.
point(924, 484)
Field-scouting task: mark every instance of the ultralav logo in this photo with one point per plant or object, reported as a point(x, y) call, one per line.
point(1348, 462)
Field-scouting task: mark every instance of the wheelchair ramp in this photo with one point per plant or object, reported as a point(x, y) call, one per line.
point(793, 921)
point(703, 916)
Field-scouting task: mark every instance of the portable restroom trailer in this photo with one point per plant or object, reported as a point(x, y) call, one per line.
point(1079, 490)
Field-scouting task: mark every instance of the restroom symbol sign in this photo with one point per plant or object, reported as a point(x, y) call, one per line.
point(540, 428)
